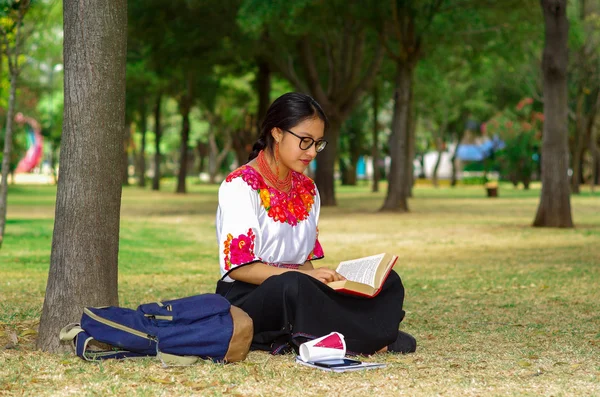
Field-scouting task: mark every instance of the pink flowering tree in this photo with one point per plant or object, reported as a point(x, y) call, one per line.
point(521, 131)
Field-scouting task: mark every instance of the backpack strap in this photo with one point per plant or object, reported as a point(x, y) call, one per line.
point(81, 341)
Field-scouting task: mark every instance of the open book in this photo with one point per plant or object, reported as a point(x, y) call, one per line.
point(364, 276)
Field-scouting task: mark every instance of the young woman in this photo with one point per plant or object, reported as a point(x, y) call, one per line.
point(268, 238)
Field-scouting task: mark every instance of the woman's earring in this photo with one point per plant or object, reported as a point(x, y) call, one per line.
point(277, 158)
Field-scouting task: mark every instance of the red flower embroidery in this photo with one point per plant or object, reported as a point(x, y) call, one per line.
point(239, 250)
point(317, 252)
point(285, 208)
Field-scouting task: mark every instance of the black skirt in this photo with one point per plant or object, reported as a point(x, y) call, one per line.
point(291, 308)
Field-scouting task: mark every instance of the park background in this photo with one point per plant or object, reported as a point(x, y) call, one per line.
point(498, 307)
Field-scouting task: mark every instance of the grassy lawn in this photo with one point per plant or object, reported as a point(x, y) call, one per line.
point(498, 307)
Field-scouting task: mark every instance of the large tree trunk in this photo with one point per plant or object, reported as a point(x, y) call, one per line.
point(398, 179)
point(85, 243)
point(142, 153)
point(554, 209)
point(324, 177)
point(375, 149)
point(157, 136)
point(10, 115)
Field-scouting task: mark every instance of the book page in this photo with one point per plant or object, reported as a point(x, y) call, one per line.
point(362, 270)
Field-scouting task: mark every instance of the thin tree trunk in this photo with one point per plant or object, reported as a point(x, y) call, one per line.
point(157, 137)
point(85, 243)
point(375, 148)
point(595, 152)
point(142, 153)
point(324, 178)
point(183, 150)
point(434, 176)
point(554, 209)
point(579, 143)
point(7, 152)
point(397, 195)
point(453, 179)
point(263, 87)
point(411, 142)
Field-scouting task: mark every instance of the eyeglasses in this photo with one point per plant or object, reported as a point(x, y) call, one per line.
point(306, 142)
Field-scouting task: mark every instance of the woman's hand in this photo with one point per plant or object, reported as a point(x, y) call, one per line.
point(324, 274)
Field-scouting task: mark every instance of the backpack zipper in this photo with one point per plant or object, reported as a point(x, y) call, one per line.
point(118, 326)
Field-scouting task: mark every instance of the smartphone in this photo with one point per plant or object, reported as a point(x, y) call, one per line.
point(341, 362)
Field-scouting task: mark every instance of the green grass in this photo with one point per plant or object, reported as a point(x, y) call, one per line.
point(498, 307)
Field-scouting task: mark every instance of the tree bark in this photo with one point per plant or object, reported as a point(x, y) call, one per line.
point(157, 137)
point(10, 115)
point(324, 178)
point(398, 179)
point(375, 149)
point(125, 151)
point(554, 208)
point(85, 243)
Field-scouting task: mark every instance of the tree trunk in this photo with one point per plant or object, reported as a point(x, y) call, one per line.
point(10, 115)
point(375, 149)
point(554, 209)
point(85, 243)
point(183, 149)
point(202, 150)
point(453, 179)
point(434, 175)
point(579, 143)
point(157, 137)
point(411, 142)
point(398, 179)
point(324, 177)
point(595, 158)
point(263, 87)
point(142, 153)
point(125, 150)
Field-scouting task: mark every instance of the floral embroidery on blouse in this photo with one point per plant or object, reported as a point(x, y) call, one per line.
point(317, 252)
point(239, 250)
point(283, 207)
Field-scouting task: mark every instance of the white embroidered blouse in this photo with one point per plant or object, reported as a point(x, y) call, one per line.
point(256, 222)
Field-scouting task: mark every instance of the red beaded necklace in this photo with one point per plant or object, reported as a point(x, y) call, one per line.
point(263, 166)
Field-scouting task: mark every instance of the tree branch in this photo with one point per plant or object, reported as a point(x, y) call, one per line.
point(312, 75)
point(365, 83)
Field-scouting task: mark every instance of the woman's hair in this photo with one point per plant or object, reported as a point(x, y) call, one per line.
point(286, 112)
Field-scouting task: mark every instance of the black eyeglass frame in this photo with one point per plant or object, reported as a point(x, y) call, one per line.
point(306, 139)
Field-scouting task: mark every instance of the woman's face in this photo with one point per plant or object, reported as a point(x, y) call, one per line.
point(291, 156)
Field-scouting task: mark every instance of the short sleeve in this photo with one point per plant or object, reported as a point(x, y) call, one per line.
point(317, 251)
point(237, 225)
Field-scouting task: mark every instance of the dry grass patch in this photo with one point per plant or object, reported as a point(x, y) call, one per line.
point(498, 308)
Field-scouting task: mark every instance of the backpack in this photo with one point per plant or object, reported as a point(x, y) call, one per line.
point(178, 332)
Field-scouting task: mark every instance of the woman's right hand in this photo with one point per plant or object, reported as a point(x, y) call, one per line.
point(324, 274)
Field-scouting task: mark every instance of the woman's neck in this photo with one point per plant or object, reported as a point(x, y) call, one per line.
point(277, 175)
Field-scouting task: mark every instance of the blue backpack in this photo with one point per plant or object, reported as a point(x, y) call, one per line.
point(179, 331)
